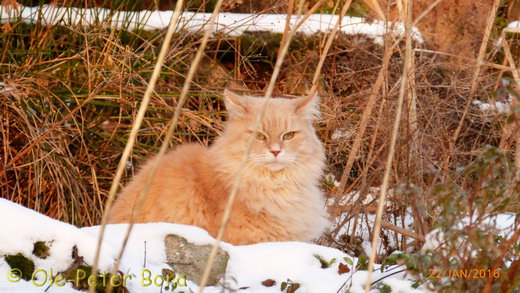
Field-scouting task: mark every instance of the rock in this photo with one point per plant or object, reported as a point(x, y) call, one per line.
point(189, 259)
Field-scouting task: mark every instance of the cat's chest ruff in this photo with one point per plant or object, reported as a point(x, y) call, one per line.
point(276, 196)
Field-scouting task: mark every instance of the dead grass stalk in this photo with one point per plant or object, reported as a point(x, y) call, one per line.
point(474, 81)
point(130, 143)
point(382, 197)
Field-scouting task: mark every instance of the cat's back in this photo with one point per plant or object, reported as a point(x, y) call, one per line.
point(187, 157)
point(185, 177)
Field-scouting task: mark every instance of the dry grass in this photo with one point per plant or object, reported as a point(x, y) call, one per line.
point(75, 163)
point(74, 93)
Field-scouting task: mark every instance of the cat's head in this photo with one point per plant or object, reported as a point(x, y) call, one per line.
point(285, 136)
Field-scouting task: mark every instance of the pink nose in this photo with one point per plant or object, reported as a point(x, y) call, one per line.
point(275, 153)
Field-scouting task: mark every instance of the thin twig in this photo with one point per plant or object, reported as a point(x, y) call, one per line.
point(483, 63)
point(287, 27)
point(178, 110)
point(229, 204)
point(425, 12)
point(474, 81)
point(506, 245)
point(516, 76)
point(364, 121)
point(374, 5)
point(144, 261)
point(402, 231)
point(133, 133)
point(395, 130)
point(367, 112)
point(35, 142)
point(386, 276)
point(325, 52)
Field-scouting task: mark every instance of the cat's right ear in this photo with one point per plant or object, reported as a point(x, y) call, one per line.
point(235, 104)
point(308, 107)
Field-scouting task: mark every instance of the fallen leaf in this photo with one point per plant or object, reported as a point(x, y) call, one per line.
point(167, 273)
point(293, 287)
point(269, 283)
point(283, 286)
point(343, 268)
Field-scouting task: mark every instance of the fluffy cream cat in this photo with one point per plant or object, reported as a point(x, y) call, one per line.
point(279, 198)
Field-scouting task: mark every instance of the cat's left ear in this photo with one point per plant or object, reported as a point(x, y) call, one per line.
point(235, 104)
point(308, 107)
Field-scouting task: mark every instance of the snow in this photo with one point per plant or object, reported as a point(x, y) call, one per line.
point(330, 179)
point(363, 227)
point(147, 239)
point(230, 24)
point(502, 106)
point(339, 134)
point(38, 227)
point(248, 266)
point(493, 107)
point(287, 260)
point(503, 224)
point(513, 26)
point(4, 88)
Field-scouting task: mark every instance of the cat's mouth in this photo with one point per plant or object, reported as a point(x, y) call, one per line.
point(275, 165)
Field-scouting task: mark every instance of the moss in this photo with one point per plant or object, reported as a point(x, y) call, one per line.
point(358, 8)
point(78, 276)
point(324, 264)
point(261, 44)
point(22, 263)
point(41, 250)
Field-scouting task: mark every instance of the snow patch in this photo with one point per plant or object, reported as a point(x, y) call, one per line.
point(514, 26)
point(5, 88)
point(502, 224)
point(230, 24)
point(248, 266)
point(339, 134)
point(493, 107)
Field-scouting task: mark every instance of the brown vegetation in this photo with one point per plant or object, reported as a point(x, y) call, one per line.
point(71, 95)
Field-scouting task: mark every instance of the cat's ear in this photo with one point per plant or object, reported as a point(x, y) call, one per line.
point(235, 104)
point(308, 107)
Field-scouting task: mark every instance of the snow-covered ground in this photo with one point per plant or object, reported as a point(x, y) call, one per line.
point(514, 26)
point(360, 229)
point(145, 258)
point(495, 107)
point(230, 24)
point(502, 106)
point(501, 225)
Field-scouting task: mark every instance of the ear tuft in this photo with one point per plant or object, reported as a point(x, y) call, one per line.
point(235, 104)
point(308, 107)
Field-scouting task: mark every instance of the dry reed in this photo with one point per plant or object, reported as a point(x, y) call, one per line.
point(402, 92)
point(130, 143)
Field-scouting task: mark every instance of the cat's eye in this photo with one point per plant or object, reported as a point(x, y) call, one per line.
point(289, 135)
point(260, 136)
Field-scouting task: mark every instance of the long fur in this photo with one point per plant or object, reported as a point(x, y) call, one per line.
point(279, 197)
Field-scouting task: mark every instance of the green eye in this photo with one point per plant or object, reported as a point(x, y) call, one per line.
point(260, 136)
point(289, 135)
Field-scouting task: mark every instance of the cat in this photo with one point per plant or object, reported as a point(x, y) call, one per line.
point(278, 198)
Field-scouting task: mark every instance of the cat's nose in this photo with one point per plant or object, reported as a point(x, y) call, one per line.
point(275, 153)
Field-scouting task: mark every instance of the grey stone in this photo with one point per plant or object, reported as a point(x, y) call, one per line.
point(189, 259)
